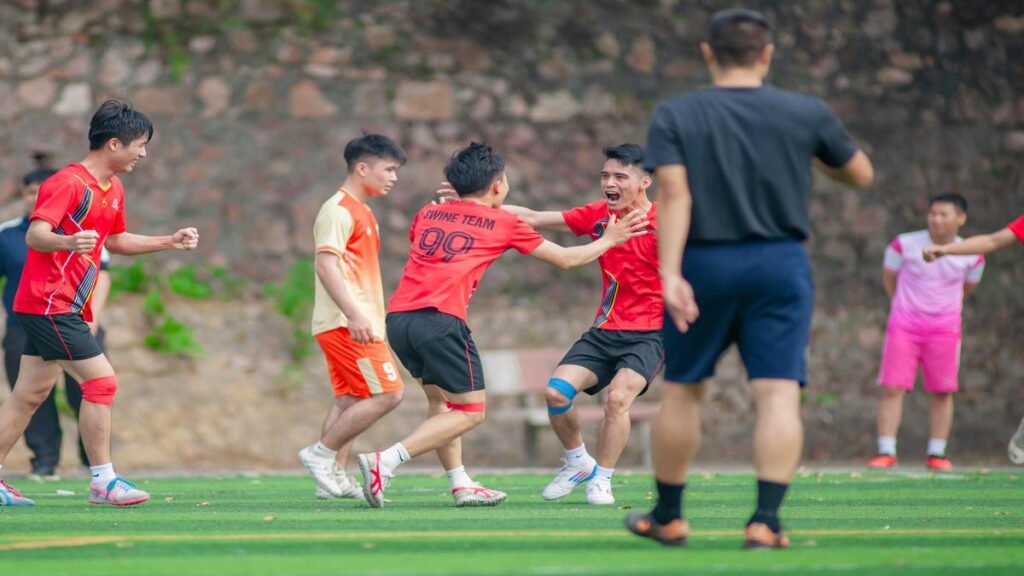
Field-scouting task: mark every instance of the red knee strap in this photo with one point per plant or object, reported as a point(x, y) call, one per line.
point(100, 390)
point(475, 407)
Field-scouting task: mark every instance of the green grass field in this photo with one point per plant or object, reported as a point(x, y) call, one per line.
point(840, 523)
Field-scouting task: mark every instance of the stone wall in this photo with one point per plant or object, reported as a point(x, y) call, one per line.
point(253, 101)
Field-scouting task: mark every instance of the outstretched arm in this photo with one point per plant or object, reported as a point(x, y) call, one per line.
point(617, 232)
point(545, 219)
point(133, 244)
point(980, 244)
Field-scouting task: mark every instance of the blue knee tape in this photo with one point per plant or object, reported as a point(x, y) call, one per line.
point(567, 390)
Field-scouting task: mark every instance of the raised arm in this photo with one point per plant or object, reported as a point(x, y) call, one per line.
point(857, 172)
point(617, 232)
point(545, 219)
point(980, 244)
point(133, 244)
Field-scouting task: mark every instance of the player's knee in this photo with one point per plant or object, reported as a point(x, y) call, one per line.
point(31, 397)
point(618, 401)
point(559, 395)
point(394, 398)
point(100, 390)
point(475, 412)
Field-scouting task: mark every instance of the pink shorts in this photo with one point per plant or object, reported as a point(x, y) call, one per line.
point(904, 351)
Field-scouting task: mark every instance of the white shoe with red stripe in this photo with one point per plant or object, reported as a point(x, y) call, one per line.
point(376, 478)
point(10, 496)
point(477, 495)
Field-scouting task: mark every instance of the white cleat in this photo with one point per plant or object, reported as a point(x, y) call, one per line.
point(321, 470)
point(599, 491)
point(568, 478)
point(349, 487)
point(376, 478)
point(118, 492)
point(1016, 448)
point(477, 495)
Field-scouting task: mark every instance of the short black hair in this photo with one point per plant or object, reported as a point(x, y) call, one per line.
point(627, 154)
point(472, 169)
point(116, 119)
point(737, 37)
point(372, 146)
point(37, 176)
point(956, 200)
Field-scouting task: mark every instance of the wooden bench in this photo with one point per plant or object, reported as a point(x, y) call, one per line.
point(522, 376)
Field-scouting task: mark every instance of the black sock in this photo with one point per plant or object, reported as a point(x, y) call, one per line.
point(769, 499)
point(670, 503)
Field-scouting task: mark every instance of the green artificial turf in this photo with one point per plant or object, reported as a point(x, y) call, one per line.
point(839, 523)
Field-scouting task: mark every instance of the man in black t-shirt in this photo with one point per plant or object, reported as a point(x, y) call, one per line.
point(733, 164)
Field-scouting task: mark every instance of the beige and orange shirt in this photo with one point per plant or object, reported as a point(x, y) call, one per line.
point(346, 227)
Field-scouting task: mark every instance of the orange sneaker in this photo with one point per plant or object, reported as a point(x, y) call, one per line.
point(643, 524)
point(758, 535)
point(883, 462)
point(939, 463)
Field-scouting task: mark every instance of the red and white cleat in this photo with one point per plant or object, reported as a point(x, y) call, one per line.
point(477, 495)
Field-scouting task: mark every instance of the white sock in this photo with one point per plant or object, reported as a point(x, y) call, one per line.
point(458, 478)
point(1, 467)
point(321, 451)
point(936, 447)
point(394, 456)
point(102, 474)
point(604, 473)
point(887, 445)
point(578, 454)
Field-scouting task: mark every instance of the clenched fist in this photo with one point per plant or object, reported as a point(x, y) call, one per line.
point(186, 239)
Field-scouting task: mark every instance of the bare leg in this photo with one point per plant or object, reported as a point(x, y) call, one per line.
point(675, 437)
point(94, 420)
point(339, 405)
point(621, 393)
point(357, 417)
point(890, 410)
point(567, 424)
point(36, 379)
point(450, 454)
point(778, 436)
point(940, 415)
point(440, 429)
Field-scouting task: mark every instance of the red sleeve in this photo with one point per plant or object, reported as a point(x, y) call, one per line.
point(412, 227)
point(120, 225)
point(580, 219)
point(524, 238)
point(1017, 227)
point(55, 199)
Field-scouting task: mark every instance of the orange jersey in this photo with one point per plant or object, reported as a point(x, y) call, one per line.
point(346, 227)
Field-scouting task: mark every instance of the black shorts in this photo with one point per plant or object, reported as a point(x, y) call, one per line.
point(58, 337)
point(436, 348)
point(605, 352)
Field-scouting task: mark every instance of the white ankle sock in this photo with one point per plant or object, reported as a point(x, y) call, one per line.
point(102, 474)
point(577, 454)
point(458, 478)
point(936, 447)
point(604, 473)
point(394, 456)
point(321, 451)
point(887, 445)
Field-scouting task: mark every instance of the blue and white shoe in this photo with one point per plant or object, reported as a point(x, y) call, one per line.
point(118, 492)
point(11, 496)
point(569, 477)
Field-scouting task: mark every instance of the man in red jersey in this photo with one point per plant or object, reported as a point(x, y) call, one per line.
point(452, 246)
point(622, 351)
point(79, 210)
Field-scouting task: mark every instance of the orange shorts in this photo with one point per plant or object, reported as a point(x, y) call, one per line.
point(359, 370)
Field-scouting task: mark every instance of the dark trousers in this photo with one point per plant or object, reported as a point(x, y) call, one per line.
point(43, 434)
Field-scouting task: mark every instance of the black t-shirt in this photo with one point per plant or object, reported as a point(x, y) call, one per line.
point(747, 153)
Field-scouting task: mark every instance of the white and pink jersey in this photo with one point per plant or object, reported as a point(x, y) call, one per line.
point(929, 295)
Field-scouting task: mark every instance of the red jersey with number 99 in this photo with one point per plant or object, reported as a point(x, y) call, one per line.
point(452, 246)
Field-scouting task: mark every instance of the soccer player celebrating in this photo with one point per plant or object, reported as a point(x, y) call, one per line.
point(622, 351)
point(80, 209)
point(348, 312)
point(733, 163)
point(452, 245)
point(984, 244)
point(924, 328)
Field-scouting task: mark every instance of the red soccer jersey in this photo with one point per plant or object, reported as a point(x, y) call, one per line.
point(1017, 227)
point(632, 286)
point(452, 246)
point(61, 282)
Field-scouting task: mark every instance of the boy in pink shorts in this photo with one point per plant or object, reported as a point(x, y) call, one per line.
point(924, 328)
point(983, 244)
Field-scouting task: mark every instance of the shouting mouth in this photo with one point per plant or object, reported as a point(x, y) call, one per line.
point(612, 197)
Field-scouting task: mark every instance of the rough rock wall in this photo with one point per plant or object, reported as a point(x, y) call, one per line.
point(254, 99)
